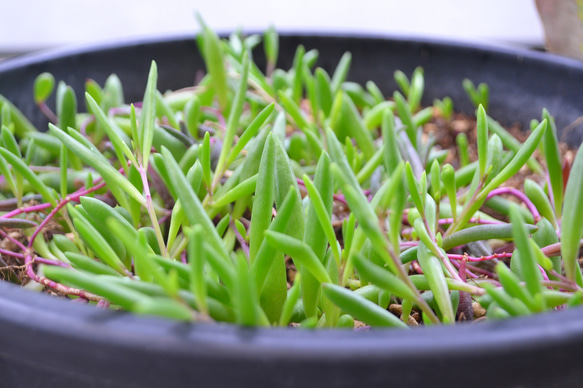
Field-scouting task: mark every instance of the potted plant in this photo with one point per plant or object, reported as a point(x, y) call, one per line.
point(185, 205)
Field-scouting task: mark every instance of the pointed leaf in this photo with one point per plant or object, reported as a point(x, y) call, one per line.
point(115, 293)
point(571, 226)
point(528, 266)
point(195, 212)
point(29, 175)
point(113, 178)
point(299, 251)
point(361, 308)
point(148, 116)
point(264, 197)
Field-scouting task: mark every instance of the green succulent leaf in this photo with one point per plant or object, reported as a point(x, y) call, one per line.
point(115, 293)
point(571, 226)
point(528, 266)
point(361, 308)
point(115, 180)
point(43, 87)
point(19, 165)
point(148, 116)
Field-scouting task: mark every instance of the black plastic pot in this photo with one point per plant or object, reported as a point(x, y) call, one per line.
point(46, 342)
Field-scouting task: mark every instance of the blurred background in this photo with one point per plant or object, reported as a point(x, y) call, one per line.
point(32, 25)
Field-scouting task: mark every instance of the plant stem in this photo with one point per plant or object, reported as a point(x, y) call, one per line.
point(408, 244)
point(13, 240)
point(482, 258)
point(337, 197)
point(10, 253)
point(475, 220)
point(152, 211)
point(470, 208)
point(560, 285)
point(554, 249)
point(402, 274)
point(465, 271)
point(51, 262)
point(481, 270)
point(28, 209)
point(242, 242)
point(29, 261)
point(44, 108)
point(217, 113)
point(518, 194)
point(73, 197)
point(85, 123)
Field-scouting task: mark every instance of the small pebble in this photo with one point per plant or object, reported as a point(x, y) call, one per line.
point(479, 311)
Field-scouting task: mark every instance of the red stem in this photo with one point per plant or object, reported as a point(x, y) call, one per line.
point(29, 259)
point(73, 197)
point(240, 239)
point(520, 195)
point(466, 266)
point(44, 108)
point(475, 220)
point(482, 258)
point(217, 113)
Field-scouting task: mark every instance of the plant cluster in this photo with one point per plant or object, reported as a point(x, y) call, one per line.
point(190, 203)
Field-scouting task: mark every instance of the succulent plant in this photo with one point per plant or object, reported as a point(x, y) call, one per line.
point(286, 197)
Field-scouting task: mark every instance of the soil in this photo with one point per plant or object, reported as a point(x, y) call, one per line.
point(446, 132)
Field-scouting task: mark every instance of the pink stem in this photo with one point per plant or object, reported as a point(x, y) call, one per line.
point(165, 218)
point(449, 221)
point(340, 198)
point(240, 239)
point(554, 249)
point(563, 286)
point(416, 267)
point(466, 271)
point(119, 111)
point(29, 260)
point(103, 303)
point(85, 123)
point(480, 270)
point(10, 253)
point(337, 197)
point(51, 262)
point(28, 209)
point(408, 244)
point(448, 265)
point(483, 258)
point(474, 220)
point(520, 195)
point(13, 240)
point(217, 113)
point(564, 280)
point(462, 270)
point(48, 112)
point(73, 197)
point(151, 211)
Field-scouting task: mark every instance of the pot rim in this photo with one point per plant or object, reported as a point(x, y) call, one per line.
point(50, 315)
point(81, 48)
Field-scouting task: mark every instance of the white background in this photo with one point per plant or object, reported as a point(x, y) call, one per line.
point(28, 25)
